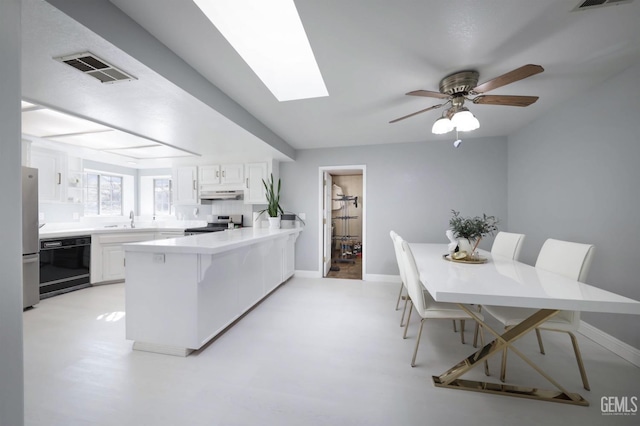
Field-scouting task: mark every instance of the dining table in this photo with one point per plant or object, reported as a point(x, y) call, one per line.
point(501, 281)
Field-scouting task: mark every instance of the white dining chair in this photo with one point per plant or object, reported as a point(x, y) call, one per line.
point(393, 236)
point(506, 244)
point(571, 260)
point(425, 305)
point(396, 247)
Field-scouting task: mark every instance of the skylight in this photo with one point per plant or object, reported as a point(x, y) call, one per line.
point(269, 36)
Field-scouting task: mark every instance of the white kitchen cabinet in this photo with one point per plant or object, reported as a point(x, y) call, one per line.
point(107, 254)
point(60, 178)
point(232, 174)
point(209, 175)
point(186, 185)
point(221, 174)
point(289, 258)
point(112, 262)
point(254, 188)
point(50, 165)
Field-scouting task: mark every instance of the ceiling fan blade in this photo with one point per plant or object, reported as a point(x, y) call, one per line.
point(428, 94)
point(508, 78)
point(416, 113)
point(519, 101)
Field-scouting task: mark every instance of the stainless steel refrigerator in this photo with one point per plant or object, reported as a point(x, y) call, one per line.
point(30, 238)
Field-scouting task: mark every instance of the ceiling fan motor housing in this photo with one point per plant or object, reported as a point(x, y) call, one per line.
point(459, 83)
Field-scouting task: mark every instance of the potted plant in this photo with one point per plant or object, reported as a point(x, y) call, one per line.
point(273, 203)
point(472, 229)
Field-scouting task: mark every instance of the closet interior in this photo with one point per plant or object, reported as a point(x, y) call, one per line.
point(346, 227)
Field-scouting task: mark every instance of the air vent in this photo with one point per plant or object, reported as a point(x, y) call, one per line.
point(593, 4)
point(90, 64)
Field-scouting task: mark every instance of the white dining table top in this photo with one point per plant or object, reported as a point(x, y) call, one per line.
point(505, 282)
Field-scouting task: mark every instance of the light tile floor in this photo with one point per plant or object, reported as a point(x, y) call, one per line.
point(317, 352)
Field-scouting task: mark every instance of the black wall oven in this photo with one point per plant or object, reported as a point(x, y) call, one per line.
point(64, 264)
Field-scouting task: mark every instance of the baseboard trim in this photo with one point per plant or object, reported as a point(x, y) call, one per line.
point(366, 277)
point(307, 274)
point(382, 278)
point(161, 349)
point(618, 347)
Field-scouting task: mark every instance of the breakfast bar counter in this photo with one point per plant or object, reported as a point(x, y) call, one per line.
point(182, 292)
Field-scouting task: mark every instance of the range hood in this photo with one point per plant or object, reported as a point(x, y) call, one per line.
point(236, 194)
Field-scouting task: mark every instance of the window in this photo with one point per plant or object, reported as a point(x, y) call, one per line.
point(161, 196)
point(104, 195)
point(155, 195)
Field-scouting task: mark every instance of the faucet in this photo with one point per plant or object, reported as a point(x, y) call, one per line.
point(131, 217)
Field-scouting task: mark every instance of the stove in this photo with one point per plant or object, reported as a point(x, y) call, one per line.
point(220, 223)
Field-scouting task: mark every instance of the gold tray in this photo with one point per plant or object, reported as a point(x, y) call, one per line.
point(472, 261)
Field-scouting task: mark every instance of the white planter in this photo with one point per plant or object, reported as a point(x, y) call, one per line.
point(274, 222)
point(465, 245)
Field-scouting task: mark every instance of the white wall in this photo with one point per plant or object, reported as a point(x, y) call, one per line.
point(411, 189)
point(11, 363)
point(574, 174)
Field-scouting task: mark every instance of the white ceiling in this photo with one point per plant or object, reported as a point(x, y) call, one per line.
point(369, 52)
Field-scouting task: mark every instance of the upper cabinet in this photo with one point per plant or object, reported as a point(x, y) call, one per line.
point(50, 165)
point(209, 175)
point(232, 174)
point(186, 185)
point(189, 181)
point(221, 174)
point(255, 173)
point(60, 177)
point(254, 188)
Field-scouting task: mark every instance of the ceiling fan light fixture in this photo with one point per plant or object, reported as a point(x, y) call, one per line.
point(441, 126)
point(464, 120)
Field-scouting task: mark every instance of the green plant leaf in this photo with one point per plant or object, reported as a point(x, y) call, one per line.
point(273, 197)
point(473, 228)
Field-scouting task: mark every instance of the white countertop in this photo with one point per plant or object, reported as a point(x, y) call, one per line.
point(55, 230)
point(210, 243)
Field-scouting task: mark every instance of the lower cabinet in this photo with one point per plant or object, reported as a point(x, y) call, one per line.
point(112, 262)
point(289, 257)
point(107, 254)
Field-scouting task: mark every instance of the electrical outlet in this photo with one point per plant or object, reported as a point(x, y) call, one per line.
point(158, 258)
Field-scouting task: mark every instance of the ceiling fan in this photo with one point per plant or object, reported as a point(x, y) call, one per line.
point(460, 86)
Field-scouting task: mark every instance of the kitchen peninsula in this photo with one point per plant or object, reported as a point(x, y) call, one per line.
point(182, 292)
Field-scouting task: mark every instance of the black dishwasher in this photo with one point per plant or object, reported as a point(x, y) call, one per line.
point(64, 264)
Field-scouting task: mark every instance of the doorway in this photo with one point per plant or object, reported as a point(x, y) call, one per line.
point(343, 221)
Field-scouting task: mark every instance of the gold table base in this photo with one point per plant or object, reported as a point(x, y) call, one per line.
point(451, 378)
point(513, 390)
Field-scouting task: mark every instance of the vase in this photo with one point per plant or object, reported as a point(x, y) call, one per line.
point(465, 245)
point(274, 222)
point(469, 246)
